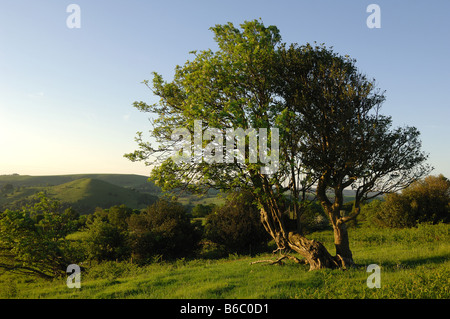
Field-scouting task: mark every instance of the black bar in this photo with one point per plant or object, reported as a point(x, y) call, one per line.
point(218, 308)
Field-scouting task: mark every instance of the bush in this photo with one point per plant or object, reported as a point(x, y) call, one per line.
point(106, 241)
point(107, 234)
point(33, 240)
point(237, 225)
point(313, 218)
point(425, 200)
point(163, 229)
point(370, 210)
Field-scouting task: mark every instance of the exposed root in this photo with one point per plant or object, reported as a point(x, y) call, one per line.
point(344, 263)
point(279, 260)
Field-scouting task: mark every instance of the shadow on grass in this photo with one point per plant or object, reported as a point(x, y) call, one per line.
point(417, 261)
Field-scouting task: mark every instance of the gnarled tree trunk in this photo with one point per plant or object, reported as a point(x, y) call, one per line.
point(315, 253)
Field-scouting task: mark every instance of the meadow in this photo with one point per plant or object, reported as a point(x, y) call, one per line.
point(415, 263)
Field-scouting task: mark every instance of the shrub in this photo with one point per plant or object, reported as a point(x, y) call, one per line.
point(425, 200)
point(107, 234)
point(313, 218)
point(370, 210)
point(237, 225)
point(106, 241)
point(33, 240)
point(163, 229)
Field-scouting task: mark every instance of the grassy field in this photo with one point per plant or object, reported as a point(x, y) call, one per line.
point(415, 263)
point(82, 192)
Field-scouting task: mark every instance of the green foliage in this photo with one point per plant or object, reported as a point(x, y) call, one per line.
point(426, 200)
point(107, 233)
point(229, 88)
point(201, 210)
point(164, 229)
point(313, 218)
point(7, 188)
point(106, 241)
point(370, 210)
point(237, 225)
point(32, 240)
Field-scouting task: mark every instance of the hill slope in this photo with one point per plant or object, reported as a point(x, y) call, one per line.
point(123, 180)
point(88, 193)
point(82, 193)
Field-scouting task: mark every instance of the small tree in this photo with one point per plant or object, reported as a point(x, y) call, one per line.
point(106, 241)
point(32, 240)
point(237, 225)
point(108, 233)
point(163, 229)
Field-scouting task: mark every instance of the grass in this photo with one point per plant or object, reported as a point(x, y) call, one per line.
point(415, 263)
point(83, 194)
point(123, 180)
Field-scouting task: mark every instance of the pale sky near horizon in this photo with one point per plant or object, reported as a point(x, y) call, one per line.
point(66, 94)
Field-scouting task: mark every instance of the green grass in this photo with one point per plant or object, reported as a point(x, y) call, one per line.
point(194, 200)
point(83, 194)
point(415, 263)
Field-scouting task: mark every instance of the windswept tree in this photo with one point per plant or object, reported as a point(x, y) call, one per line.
point(309, 120)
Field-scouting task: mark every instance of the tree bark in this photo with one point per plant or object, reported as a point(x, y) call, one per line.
point(341, 242)
point(315, 253)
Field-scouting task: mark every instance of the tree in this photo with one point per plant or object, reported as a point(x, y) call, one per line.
point(330, 135)
point(108, 233)
point(106, 241)
point(32, 240)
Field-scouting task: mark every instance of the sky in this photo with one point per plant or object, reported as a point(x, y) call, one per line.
point(66, 94)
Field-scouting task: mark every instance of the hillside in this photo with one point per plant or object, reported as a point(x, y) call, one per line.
point(87, 193)
point(122, 180)
point(82, 192)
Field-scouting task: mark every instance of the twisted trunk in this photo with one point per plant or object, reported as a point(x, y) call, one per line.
point(315, 253)
point(343, 252)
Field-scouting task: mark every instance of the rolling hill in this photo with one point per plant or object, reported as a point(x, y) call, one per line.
point(82, 192)
point(123, 180)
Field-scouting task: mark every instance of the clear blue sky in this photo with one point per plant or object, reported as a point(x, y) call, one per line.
point(66, 94)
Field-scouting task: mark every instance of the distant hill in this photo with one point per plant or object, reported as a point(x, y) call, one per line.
point(83, 192)
point(123, 180)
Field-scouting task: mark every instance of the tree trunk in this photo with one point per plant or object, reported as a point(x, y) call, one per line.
point(343, 252)
point(315, 253)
